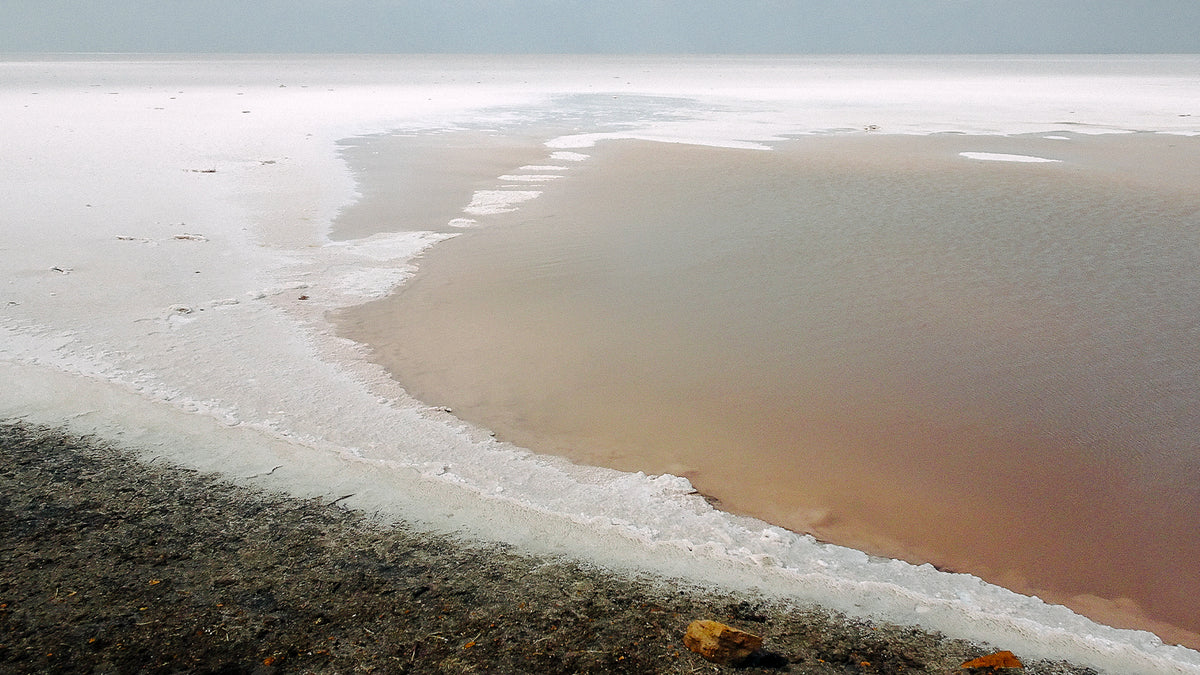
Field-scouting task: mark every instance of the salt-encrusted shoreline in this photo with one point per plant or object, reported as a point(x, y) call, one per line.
point(174, 298)
point(115, 564)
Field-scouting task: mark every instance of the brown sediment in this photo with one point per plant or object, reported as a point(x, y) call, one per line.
point(111, 564)
point(897, 416)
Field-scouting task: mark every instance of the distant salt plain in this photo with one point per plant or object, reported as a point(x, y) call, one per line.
point(167, 269)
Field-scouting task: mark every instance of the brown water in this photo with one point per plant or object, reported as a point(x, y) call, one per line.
point(993, 367)
point(420, 182)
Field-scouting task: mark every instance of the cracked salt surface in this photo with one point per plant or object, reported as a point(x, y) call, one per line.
point(253, 382)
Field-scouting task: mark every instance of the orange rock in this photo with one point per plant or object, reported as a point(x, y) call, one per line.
point(995, 661)
point(719, 643)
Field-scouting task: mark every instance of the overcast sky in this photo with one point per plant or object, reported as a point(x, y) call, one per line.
point(606, 26)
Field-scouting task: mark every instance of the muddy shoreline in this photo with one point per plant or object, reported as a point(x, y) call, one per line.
point(117, 565)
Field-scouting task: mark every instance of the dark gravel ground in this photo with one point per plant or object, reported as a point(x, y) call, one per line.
point(112, 565)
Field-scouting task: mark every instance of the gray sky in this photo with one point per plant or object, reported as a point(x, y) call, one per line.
point(604, 26)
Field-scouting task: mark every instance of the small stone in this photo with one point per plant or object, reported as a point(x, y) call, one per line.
point(995, 661)
point(719, 643)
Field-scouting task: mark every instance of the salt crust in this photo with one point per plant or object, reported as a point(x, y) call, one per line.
point(490, 202)
point(251, 377)
point(568, 156)
point(529, 177)
point(1004, 157)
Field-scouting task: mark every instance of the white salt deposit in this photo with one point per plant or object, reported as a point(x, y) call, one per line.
point(529, 177)
point(668, 134)
point(489, 202)
point(215, 350)
point(565, 156)
point(1004, 157)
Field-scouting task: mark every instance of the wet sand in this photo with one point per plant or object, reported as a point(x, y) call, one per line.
point(889, 415)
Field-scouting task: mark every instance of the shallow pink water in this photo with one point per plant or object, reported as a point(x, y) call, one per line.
point(991, 367)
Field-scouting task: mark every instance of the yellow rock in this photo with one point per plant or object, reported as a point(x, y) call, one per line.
point(719, 643)
point(995, 661)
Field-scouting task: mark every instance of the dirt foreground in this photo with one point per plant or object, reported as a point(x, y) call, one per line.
point(109, 564)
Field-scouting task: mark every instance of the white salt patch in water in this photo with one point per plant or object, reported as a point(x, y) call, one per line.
point(565, 156)
point(544, 167)
point(530, 178)
point(462, 222)
point(1056, 138)
point(386, 246)
point(242, 387)
point(1004, 157)
point(668, 136)
point(489, 202)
